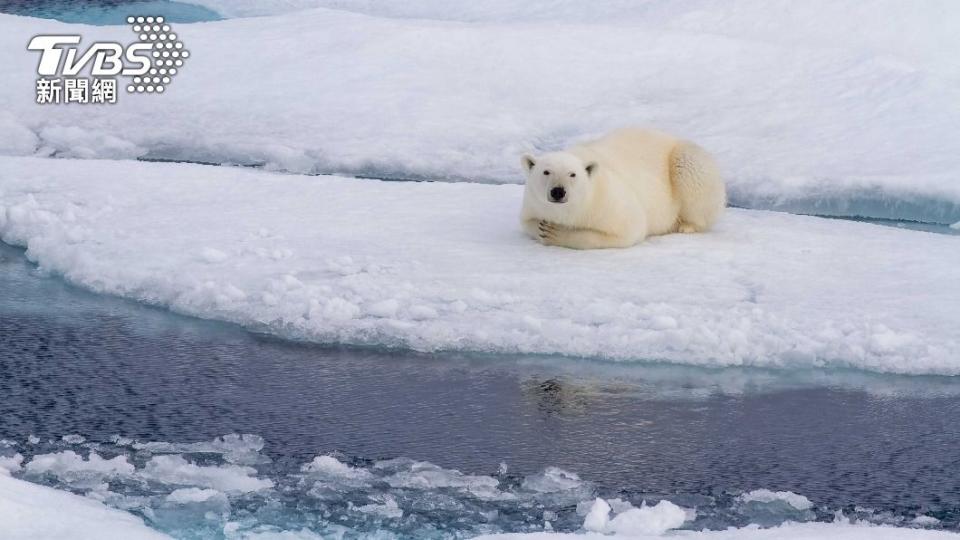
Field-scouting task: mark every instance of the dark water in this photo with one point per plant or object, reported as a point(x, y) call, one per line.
point(107, 12)
point(72, 362)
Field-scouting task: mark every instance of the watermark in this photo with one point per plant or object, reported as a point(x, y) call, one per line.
point(147, 65)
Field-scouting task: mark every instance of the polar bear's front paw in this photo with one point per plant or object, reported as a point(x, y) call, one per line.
point(547, 232)
point(687, 228)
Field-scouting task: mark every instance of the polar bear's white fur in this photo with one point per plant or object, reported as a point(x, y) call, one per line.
point(617, 190)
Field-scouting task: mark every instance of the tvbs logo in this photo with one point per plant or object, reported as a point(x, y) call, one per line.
point(148, 64)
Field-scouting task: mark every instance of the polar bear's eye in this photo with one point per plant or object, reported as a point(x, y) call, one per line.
point(546, 172)
point(573, 175)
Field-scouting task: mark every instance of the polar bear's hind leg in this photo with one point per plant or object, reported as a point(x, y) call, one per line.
point(698, 185)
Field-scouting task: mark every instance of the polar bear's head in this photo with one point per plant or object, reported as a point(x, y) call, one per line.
point(558, 183)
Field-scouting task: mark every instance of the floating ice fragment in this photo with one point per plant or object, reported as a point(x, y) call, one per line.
point(925, 521)
point(235, 448)
point(551, 480)
point(765, 496)
point(329, 467)
point(10, 464)
point(228, 478)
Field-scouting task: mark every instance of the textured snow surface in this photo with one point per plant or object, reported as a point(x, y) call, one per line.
point(32, 512)
point(820, 106)
point(435, 266)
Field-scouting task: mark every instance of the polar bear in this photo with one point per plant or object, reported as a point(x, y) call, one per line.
point(620, 189)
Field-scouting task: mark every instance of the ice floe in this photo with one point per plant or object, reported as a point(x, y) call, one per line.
point(440, 266)
point(820, 107)
point(798, 502)
point(31, 512)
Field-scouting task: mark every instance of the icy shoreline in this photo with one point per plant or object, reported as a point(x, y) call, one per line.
point(439, 266)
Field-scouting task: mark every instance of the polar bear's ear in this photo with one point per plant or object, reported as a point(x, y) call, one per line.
point(528, 162)
point(591, 168)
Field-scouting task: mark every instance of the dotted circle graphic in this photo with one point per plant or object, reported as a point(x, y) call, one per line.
point(168, 51)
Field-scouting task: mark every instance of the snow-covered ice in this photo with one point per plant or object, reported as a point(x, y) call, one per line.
point(820, 106)
point(31, 512)
point(441, 266)
point(646, 520)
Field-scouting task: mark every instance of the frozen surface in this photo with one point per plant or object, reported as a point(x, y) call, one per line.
point(817, 107)
point(798, 502)
point(439, 266)
point(32, 512)
point(352, 498)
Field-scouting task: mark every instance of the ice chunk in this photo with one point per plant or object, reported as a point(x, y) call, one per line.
point(10, 464)
point(235, 448)
point(228, 478)
point(648, 520)
point(194, 495)
point(331, 467)
point(598, 516)
point(15, 138)
point(387, 507)
point(72, 468)
point(798, 502)
point(879, 139)
point(427, 476)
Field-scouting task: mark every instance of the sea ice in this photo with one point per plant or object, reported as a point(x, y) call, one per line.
point(819, 107)
point(763, 289)
point(30, 512)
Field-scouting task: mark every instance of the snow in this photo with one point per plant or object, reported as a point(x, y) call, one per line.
point(31, 512)
point(366, 265)
point(819, 106)
point(798, 502)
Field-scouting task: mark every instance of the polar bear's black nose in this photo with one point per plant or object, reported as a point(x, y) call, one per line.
point(558, 194)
